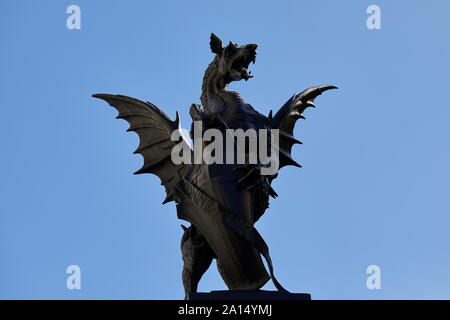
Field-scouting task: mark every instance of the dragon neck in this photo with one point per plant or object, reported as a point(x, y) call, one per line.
point(214, 89)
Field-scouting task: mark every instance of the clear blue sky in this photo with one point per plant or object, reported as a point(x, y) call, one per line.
point(375, 182)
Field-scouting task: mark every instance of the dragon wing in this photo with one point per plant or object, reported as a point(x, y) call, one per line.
point(154, 129)
point(287, 116)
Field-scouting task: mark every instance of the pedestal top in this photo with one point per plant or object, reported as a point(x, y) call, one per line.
point(248, 295)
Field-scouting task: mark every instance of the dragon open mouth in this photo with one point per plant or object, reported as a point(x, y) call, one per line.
point(243, 61)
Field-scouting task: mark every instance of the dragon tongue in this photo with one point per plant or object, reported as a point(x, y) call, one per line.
point(245, 74)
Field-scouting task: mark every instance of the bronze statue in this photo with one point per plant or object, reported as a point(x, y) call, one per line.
point(221, 200)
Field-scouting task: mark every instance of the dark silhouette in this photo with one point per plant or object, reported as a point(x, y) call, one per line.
point(221, 201)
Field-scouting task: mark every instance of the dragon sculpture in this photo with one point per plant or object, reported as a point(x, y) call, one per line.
point(222, 202)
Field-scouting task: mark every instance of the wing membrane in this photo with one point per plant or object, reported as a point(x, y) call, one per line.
point(154, 129)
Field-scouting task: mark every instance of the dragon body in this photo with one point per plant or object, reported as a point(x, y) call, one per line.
point(222, 202)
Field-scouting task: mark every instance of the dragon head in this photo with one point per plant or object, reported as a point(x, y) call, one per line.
point(233, 60)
